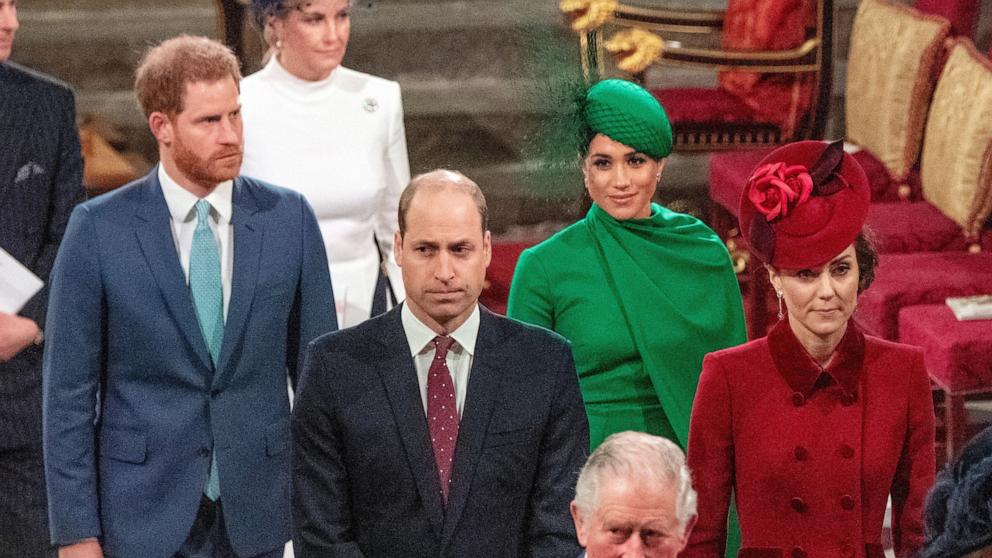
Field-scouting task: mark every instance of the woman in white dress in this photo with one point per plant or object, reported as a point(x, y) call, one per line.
point(336, 136)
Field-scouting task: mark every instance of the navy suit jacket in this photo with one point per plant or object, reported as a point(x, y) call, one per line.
point(133, 404)
point(364, 478)
point(41, 173)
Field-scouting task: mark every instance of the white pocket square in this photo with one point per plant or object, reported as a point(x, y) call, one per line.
point(27, 171)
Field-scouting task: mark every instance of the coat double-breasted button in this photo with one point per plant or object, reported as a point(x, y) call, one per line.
point(798, 504)
point(846, 451)
point(801, 453)
point(847, 550)
point(847, 502)
point(798, 552)
point(798, 399)
point(847, 399)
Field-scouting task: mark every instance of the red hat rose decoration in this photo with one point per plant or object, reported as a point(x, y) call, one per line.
point(803, 204)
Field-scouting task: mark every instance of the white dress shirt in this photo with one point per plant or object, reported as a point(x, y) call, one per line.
point(182, 217)
point(459, 358)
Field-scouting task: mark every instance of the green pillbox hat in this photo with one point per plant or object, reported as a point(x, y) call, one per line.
point(627, 113)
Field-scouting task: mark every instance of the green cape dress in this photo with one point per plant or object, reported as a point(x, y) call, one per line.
point(641, 301)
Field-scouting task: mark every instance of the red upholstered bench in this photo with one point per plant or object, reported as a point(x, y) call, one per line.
point(917, 227)
point(500, 274)
point(903, 280)
point(958, 356)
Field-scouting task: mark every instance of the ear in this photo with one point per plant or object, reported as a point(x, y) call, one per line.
point(585, 172)
point(774, 278)
point(161, 127)
point(275, 25)
point(687, 532)
point(398, 248)
point(581, 527)
point(487, 247)
point(661, 166)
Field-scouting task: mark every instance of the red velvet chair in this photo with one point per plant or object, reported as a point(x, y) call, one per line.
point(774, 65)
point(499, 275)
point(958, 356)
point(903, 280)
point(955, 166)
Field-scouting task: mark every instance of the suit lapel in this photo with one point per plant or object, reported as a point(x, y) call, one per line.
point(483, 385)
point(154, 233)
point(247, 232)
point(400, 379)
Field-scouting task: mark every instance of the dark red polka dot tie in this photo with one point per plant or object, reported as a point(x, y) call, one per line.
point(442, 414)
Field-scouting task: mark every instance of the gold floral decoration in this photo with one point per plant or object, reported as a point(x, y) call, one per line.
point(587, 15)
point(635, 49)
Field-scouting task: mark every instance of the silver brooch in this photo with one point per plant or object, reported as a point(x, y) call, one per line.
point(371, 105)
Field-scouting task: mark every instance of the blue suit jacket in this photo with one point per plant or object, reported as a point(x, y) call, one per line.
point(132, 403)
point(364, 478)
point(41, 173)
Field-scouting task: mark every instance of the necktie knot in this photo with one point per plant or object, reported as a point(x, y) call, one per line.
point(202, 213)
point(442, 344)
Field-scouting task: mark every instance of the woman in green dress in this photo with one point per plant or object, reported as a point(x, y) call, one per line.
point(642, 292)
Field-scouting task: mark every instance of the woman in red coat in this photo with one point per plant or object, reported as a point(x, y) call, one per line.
point(813, 427)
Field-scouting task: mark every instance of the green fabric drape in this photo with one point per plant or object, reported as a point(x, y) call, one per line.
point(642, 301)
point(672, 280)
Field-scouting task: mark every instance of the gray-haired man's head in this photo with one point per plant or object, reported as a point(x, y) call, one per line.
point(634, 498)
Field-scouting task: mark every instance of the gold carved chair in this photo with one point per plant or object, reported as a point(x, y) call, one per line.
point(772, 58)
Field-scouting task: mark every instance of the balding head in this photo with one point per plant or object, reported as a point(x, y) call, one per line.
point(442, 179)
point(443, 248)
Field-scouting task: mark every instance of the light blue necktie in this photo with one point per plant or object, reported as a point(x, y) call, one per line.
point(208, 299)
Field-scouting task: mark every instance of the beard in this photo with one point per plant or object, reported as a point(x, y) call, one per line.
point(221, 165)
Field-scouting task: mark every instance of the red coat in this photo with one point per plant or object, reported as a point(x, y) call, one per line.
point(811, 454)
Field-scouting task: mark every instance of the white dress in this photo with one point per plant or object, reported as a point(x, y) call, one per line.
point(341, 143)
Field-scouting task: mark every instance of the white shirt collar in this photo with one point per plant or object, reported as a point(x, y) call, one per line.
point(419, 336)
point(181, 201)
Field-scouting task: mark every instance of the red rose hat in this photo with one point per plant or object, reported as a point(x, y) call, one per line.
point(804, 204)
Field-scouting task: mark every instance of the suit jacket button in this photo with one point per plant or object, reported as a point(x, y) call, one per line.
point(798, 399)
point(801, 453)
point(847, 502)
point(203, 452)
point(798, 504)
point(215, 394)
point(798, 552)
point(847, 452)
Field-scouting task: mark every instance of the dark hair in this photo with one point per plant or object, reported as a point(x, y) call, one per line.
point(867, 256)
point(443, 176)
point(958, 514)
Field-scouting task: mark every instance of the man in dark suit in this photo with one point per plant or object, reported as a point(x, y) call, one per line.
point(438, 429)
point(41, 172)
point(179, 303)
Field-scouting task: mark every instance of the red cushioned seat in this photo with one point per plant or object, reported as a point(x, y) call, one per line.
point(500, 274)
point(903, 280)
point(728, 174)
point(914, 227)
point(700, 105)
point(958, 354)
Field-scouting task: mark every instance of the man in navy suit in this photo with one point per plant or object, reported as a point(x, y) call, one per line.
point(179, 305)
point(438, 429)
point(41, 172)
